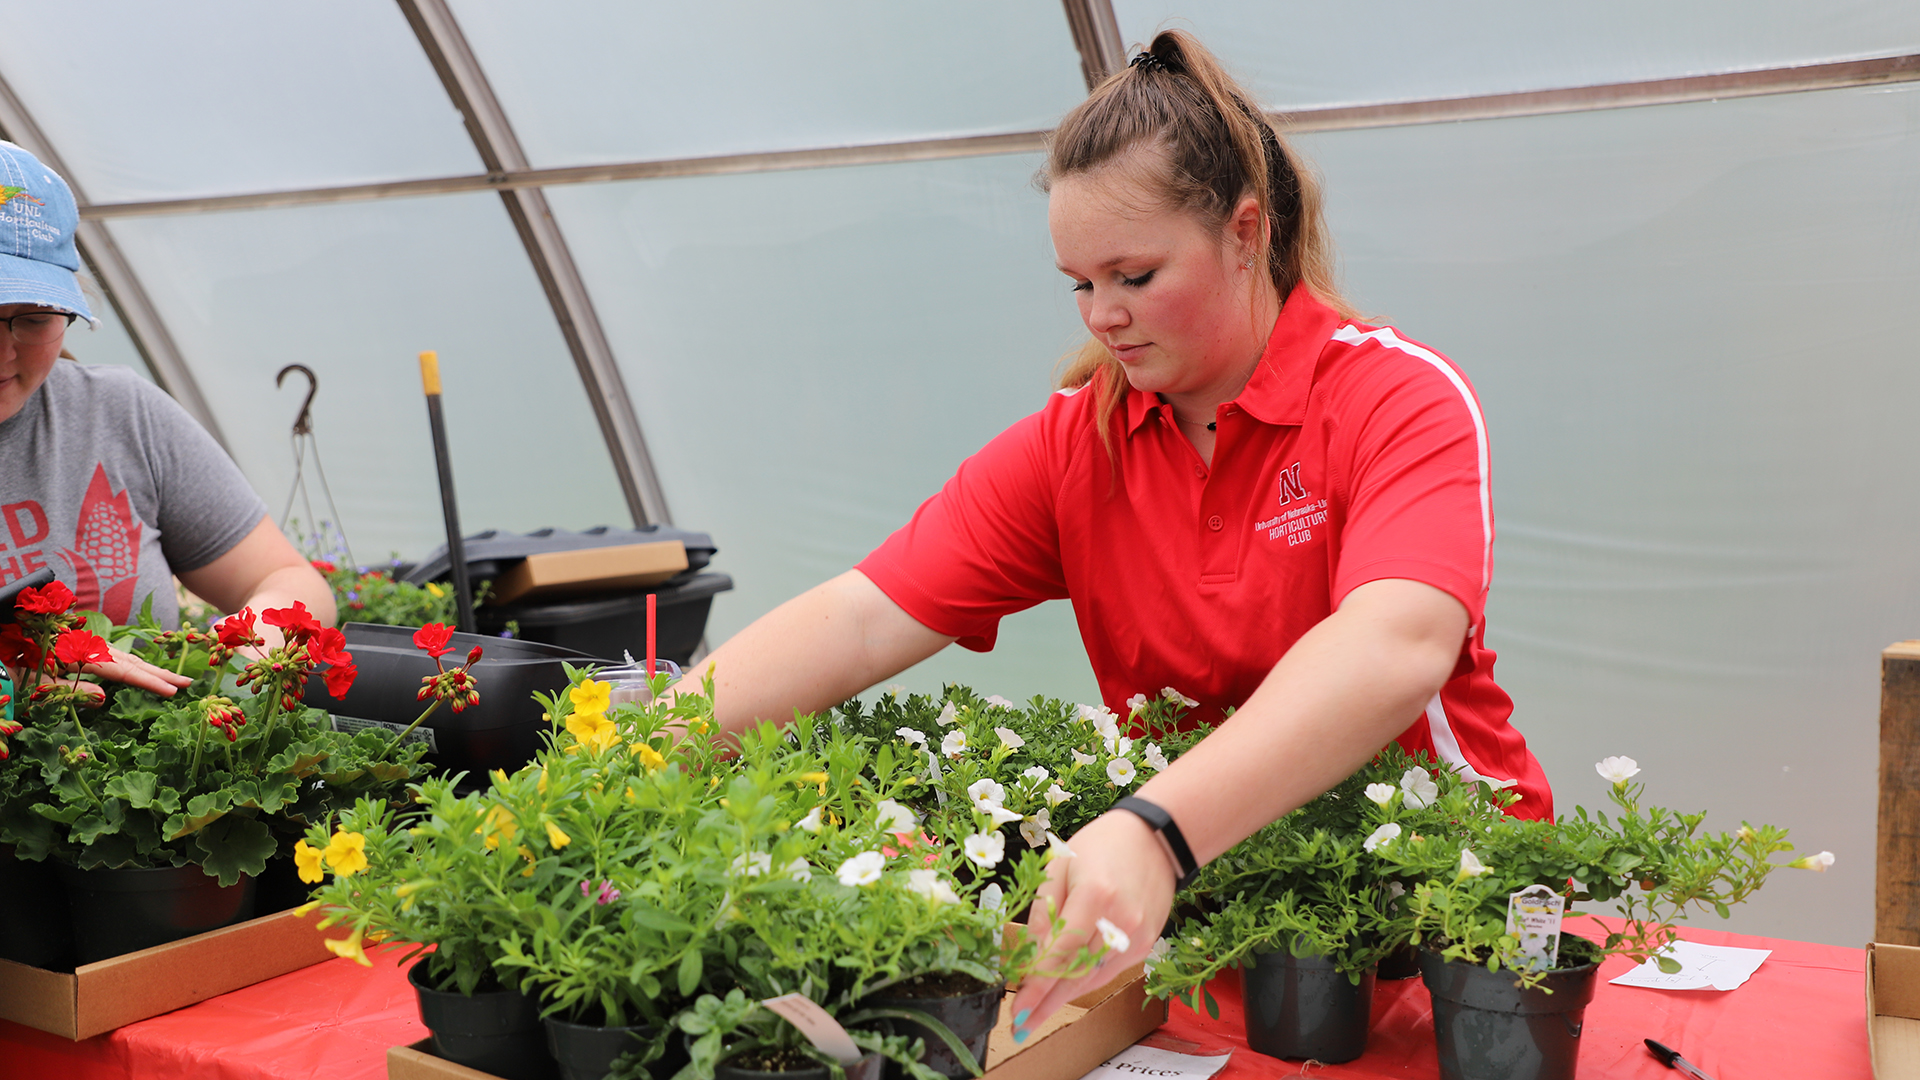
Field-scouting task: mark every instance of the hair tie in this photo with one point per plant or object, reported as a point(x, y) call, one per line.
point(1149, 61)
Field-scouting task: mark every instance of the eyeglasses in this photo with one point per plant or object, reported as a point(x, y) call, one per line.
point(38, 327)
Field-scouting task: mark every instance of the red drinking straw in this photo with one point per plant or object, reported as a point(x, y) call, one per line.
point(650, 604)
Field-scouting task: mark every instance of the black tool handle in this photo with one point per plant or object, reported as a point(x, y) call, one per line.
point(456, 547)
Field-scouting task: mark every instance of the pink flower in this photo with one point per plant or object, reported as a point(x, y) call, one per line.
point(608, 894)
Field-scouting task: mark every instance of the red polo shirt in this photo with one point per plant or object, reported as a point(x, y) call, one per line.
point(1353, 454)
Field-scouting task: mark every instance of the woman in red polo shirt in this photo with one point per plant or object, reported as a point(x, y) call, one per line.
point(1247, 494)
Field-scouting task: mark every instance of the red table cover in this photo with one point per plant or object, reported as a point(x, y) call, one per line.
point(1802, 1014)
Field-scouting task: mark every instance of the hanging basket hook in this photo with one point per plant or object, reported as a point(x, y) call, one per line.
point(302, 424)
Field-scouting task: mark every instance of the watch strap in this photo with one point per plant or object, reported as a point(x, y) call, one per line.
point(1162, 822)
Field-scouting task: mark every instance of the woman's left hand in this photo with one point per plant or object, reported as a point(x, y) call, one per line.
point(1119, 872)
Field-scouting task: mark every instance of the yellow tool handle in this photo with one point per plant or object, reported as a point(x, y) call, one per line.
point(430, 372)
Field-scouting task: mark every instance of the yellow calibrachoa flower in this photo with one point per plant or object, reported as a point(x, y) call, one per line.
point(434, 588)
point(648, 756)
point(591, 696)
point(527, 854)
point(346, 853)
point(498, 826)
point(593, 730)
point(307, 908)
point(557, 838)
point(541, 787)
point(349, 947)
point(306, 860)
point(816, 778)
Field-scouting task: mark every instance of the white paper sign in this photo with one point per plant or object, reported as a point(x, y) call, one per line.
point(1702, 967)
point(1149, 1063)
point(823, 1031)
point(1533, 916)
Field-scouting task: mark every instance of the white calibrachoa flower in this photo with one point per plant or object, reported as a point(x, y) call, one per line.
point(999, 702)
point(1155, 757)
point(1118, 743)
point(1501, 785)
point(1057, 795)
point(862, 869)
point(896, 691)
point(986, 794)
point(912, 736)
point(1083, 759)
point(798, 869)
point(1158, 954)
point(1116, 938)
point(1818, 862)
point(1381, 793)
point(754, 863)
point(1059, 846)
point(1136, 704)
point(1033, 829)
point(1470, 864)
point(954, 744)
point(1171, 694)
point(1419, 788)
point(949, 715)
point(1001, 815)
point(1384, 834)
point(811, 822)
point(894, 817)
point(1037, 772)
point(1009, 738)
point(985, 849)
point(1120, 771)
point(928, 884)
point(1616, 770)
point(992, 897)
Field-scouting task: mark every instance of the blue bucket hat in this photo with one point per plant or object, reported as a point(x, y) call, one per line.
point(37, 220)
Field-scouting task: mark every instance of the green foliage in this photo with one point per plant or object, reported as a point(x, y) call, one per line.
point(641, 872)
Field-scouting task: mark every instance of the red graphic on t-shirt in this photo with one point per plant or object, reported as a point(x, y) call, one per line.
point(105, 555)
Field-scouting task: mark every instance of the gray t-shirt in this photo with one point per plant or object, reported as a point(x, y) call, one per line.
point(104, 478)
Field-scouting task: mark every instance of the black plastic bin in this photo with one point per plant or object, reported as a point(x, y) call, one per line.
point(501, 731)
point(618, 624)
point(610, 624)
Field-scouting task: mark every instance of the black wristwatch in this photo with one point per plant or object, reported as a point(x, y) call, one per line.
point(1161, 822)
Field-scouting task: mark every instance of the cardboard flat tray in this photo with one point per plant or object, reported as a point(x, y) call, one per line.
point(1085, 1032)
point(1893, 1010)
point(101, 996)
point(548, 575)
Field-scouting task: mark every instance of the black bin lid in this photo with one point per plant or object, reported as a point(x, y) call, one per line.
point(492, 553)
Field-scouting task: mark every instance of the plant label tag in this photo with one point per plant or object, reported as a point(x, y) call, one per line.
point(351, 725)
point(822, 1030)
point(1533, 916)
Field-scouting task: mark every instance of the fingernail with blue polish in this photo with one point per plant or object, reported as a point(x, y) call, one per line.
point(1020, 1018)
point(1020, 1036)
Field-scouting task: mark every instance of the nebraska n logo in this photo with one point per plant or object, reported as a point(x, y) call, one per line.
point(1290, 486)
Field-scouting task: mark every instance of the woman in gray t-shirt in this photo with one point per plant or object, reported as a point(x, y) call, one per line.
point(103, 478)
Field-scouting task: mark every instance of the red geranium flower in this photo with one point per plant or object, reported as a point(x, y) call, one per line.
point(17, 649)
point(329, 646)
point(323, 566)
point(432, 639)
point(54, 599)
point(77, 647)
point(296, 622)
point(236, 630)
point(339, 678)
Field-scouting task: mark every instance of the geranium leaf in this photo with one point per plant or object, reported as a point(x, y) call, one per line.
point(235, 845)
point(138, 788)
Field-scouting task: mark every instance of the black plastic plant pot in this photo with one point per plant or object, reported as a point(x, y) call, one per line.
point(618, 624)
point(493, 1031)
point(1488, 1028)
point(588, 1051)
point(870, 1067)
point(1302, 1007)
point(970, 1018)
point(123, 911)
point(37, 929)
point(501, 731)
point(1401, 963)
